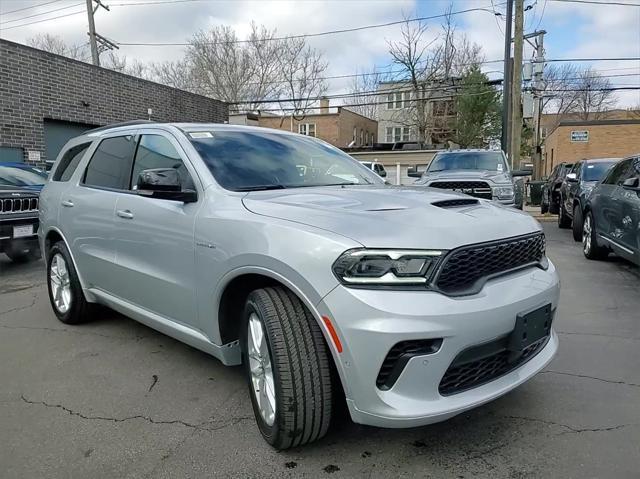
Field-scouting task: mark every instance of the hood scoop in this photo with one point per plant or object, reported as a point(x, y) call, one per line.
point(455, 203)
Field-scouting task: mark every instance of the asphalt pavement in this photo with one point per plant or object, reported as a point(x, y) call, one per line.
point(113, 398)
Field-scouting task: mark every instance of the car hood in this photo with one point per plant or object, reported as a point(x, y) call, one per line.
point(393, 217)
point(491, 176)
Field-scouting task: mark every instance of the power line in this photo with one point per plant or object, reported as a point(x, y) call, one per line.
point(43, 20)
point(41, 13)
point(319, 34)
point(544, 7)
point(618, 59)
point(599, 2)
point(153, 2)
point(28, 8)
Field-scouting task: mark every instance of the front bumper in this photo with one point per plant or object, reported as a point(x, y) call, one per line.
point(9, 242)
point(371, 322)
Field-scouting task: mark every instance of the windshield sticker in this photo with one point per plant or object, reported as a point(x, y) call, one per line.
point(500, 167)
point(200, 134)
point(590, 166)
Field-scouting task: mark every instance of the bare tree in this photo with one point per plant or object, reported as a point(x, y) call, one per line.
point(55, 44)
point(301, 68)
point(177, 74)
point(361, 91)
point(593, 95)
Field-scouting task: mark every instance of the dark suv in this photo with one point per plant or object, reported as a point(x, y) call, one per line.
point(551, 189)
point(576, 188)
point(20, 185)
point(612, 214)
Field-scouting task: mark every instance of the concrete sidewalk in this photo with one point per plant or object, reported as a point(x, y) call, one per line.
point(535, 212)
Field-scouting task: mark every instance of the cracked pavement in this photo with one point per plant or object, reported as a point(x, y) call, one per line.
point(113, 398)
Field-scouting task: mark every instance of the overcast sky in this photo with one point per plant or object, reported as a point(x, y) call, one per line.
point(573, 29)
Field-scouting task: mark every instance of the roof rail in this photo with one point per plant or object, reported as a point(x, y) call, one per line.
point(116, 125)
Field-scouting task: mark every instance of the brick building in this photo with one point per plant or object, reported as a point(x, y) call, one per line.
point(340, 128)
point(574, 140)
point(45, 99)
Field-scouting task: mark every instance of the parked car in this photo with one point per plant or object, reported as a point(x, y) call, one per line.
point(576, 188)
point(612, 214)
point(377, 168)
point(551, 189)
point(418, 303)
point(19, 188)
point(479, 173)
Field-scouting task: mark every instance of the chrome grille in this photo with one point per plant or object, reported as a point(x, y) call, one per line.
point(18, 205)
point(479, 189)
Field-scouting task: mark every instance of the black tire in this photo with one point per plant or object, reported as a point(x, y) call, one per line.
point(301, 368)
point(577, 223)
point(79, 309)
point(544, 208)
point(23, 255)
point(591, 249)
point(563, 221)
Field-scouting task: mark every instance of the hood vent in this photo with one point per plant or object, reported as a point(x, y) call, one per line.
point(457, 203)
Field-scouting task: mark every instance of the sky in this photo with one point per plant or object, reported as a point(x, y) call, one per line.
point(574, 30)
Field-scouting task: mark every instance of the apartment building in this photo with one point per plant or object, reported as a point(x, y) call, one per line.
point(397, 113)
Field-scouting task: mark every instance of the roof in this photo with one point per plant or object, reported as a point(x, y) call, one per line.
point(597, 122)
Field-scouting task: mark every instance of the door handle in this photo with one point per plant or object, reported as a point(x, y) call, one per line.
point(67, 203)
point(126, 214)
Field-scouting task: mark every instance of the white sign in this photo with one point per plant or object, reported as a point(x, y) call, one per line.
point(581, 135)
point(34, 156)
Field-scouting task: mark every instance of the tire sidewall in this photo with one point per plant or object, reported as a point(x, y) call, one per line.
point(593, 251)
point(578, 223)
point(76, 290)
point(270, 433)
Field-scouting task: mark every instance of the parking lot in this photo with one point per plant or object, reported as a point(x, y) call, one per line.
point(113, 398)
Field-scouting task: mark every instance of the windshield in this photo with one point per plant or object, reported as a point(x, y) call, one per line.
point(596, 171)
point(468, 160)
point(251, 160)
point(21, 176)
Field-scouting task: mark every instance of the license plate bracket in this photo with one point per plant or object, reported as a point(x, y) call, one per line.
point(22, 231)
point(530, 328)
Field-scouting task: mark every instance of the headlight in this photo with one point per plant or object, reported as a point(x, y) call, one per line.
point(503, 192)
point(381, 267)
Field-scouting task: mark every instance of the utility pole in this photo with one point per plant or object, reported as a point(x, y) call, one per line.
point(516, 88)
point(506, 82)
point(538, 86)
point(94, 38)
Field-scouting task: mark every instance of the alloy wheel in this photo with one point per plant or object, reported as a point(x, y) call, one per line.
point(586, 234)
point(60, 283)
point(262, 382)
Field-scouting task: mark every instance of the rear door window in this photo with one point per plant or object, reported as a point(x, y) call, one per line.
point(617, 172)
point(69, 162)
point(110, 165)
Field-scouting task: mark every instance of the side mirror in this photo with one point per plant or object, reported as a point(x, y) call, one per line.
point(414, 173)
point(165, 184)
point(571, 178)
point(521, 172)
point(631, 183)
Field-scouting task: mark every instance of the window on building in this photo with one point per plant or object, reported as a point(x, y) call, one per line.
point(362, 142)
point(398, 100)
point(308, 129)
point(355, 135)
point(110, 165)
point(397, 133)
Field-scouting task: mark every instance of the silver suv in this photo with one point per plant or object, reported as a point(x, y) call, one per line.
point(281, 252)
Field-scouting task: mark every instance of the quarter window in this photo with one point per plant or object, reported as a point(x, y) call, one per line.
point(110, 165)
point(69, 162)
point(617, 172)
point(156, 151)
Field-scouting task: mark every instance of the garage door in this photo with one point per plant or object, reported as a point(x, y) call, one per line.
point(57, 133)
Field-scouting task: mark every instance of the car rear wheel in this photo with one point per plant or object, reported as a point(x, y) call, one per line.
point(577, 223)
point(65, 292)
point(22, 255)
point(287, 366)
point(590, 246)
point(544, 208)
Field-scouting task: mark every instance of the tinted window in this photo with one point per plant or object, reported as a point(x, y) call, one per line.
point(22, 175)
point(468, 160)
point(617, 172)
point(243, 161)
point(156, 151)
point(110, 165)
point(69, 162)
point(596, 171)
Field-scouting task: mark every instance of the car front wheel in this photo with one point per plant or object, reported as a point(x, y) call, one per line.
point(577, 223)
point(563, 221)
point(287, 366)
